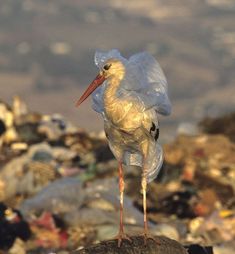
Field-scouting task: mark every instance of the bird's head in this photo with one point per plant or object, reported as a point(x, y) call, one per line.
point(112, 68)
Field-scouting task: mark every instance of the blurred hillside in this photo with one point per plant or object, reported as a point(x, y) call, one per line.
point(47, 48)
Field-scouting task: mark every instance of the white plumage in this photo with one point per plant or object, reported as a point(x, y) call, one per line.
point(144, 82)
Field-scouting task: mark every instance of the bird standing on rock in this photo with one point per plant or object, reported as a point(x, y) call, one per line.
point(129, 94)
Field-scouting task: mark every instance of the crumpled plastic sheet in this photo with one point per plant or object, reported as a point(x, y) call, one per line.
point(60, 196)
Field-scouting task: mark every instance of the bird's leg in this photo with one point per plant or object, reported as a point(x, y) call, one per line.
point(146, 234)
point(121, 235)
point(144, 188)
point(145, 151)
point(121, 190)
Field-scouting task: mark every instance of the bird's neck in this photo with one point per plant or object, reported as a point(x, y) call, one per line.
point(110, 93)
point(116, 107)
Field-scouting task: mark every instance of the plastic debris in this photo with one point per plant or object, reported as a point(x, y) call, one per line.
point(58, 197)
point(61, 184)
point(12, 226)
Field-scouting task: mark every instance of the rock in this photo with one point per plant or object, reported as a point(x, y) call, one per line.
point(162, 245)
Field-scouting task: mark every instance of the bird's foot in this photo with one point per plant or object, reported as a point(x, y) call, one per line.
point(147, 236)
point(120, 236)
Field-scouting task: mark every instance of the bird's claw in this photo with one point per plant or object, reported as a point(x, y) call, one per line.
point(147, 236)
point(120, 236)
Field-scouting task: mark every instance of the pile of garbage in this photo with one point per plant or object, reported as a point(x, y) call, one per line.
point(59, 186)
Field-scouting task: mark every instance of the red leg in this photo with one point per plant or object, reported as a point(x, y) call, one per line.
point(145, 149)
point(121, 189)
point(146, 234)
point(121, 235)
point(145, 152)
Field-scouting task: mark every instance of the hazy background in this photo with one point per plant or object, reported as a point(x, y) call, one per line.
point(47, 49)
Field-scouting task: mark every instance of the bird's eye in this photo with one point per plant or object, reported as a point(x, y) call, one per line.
point(107, 66)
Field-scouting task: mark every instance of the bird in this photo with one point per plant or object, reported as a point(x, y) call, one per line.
point(129, 94)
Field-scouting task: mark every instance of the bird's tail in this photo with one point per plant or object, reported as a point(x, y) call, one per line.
point(154, 165)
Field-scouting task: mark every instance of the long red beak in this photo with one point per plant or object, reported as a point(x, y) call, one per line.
point(94, 84)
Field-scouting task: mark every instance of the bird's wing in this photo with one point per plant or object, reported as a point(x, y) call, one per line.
point(145, 81)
